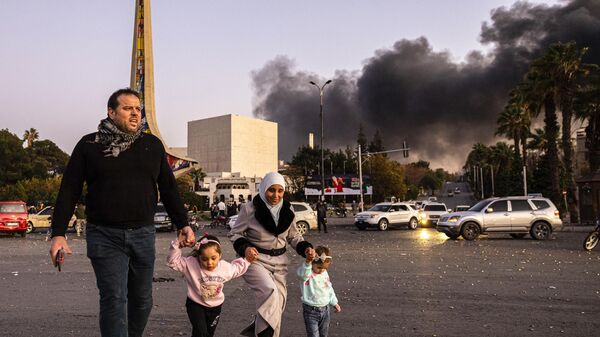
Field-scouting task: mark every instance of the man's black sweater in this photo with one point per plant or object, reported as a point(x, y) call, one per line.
point(121, 191)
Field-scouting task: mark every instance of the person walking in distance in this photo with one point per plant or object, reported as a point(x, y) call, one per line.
point(125, 169)
point(322, 216)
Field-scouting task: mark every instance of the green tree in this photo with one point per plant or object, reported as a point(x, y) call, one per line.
point(387, 178)
point(376, 144)
point(47, 159)
point(14, 162)
point(361, 139)
point(30, 136)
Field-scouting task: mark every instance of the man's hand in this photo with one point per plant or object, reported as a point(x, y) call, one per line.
point(310, 254)
point(59, 242)
point(186, 236)
point(338, 308)
point(251, 254)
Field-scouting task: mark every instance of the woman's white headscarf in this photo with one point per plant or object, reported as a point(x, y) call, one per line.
point(270, 179)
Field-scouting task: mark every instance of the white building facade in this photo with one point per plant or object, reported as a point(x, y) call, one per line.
point(235, 152)
point(234, 143)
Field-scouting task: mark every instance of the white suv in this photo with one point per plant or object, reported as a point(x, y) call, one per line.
point(430, 213)
point(517, 216)
point(384, 214)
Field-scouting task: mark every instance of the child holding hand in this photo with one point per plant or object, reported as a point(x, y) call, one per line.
point(317, 293)
point(205, 273)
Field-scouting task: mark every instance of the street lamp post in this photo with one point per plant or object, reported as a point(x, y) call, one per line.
point(320, 88)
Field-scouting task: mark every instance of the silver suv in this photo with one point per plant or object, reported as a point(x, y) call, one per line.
point(517, 216)
point(386, 213)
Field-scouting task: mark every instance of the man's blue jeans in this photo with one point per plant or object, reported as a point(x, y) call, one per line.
point(316, 320)
point(123, 261)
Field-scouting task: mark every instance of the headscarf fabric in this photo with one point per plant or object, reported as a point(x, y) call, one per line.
point(270, 179)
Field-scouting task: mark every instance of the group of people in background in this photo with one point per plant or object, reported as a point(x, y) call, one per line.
point(221, 209)
point(122, 192)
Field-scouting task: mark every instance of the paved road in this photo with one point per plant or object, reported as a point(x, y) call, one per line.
point(393, 283)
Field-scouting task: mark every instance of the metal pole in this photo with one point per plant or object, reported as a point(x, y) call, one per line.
point(525, 180)
point(322, 155)
point(360, 181)
point(322, 158)
point(492, 171)
point(481, 178)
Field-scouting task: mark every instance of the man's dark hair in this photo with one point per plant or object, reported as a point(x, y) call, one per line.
point(113, 102)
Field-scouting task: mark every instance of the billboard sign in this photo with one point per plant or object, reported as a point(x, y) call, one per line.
point(338, 185)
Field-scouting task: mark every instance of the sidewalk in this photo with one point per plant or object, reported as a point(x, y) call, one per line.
point(577, 228)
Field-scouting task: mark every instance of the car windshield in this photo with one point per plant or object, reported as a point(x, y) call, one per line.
point(161, 209)
point(379, 208)
point(12, 208)
point(480, 205)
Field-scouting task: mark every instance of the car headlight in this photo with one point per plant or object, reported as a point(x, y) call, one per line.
point(454, 218)
point(167, 218)
point(373, 216)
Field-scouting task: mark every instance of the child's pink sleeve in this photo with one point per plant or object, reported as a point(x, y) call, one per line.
point(238, 267)
point(174, 259)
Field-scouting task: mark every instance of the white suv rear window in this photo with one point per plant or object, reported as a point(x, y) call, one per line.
point(540, 204)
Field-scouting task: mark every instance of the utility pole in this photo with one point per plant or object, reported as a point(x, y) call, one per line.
point(360, 182)
point(481, 178)
point(525, 180)
point(492, 171)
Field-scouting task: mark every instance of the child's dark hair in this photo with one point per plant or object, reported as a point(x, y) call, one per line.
point(322, 250)
point(206, 241)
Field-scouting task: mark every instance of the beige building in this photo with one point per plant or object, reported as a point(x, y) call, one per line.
point(233, 143)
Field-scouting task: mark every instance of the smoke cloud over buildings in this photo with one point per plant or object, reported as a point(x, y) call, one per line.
point(411, 92)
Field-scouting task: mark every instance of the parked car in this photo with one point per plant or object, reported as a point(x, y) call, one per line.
point(306, 217)
point(461, 208)
point(517, 216)
point(162, 221)
point(457, 190)
point(43, 219)
point(450, 193)
point(430, 213)
point(13, 217)
point(386, 213)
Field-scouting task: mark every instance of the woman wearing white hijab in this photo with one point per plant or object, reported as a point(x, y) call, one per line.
point(264, 228)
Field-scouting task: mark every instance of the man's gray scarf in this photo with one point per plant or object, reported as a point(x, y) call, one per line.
point(115, 140)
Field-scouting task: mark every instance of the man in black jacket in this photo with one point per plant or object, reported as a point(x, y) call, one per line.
point(125, 169)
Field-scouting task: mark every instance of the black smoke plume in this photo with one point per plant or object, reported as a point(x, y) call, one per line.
point(410, 92)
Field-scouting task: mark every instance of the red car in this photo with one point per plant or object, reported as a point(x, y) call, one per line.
point(13, 217)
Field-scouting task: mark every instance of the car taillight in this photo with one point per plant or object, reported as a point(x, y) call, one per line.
point(557, 214)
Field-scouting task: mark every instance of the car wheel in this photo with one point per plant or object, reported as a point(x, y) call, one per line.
point(470, 231)
point(517, 235)
point(30, 227)
point(541, 231)
point(413, 224)
point(452, 236)
point(383, 224)
point(591, 241)
point(302, 227)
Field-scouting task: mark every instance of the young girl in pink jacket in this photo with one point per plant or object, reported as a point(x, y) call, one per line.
point(205, 273)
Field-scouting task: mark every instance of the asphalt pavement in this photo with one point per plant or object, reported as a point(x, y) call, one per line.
point(393, 283)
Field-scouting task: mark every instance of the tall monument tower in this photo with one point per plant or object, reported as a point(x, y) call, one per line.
point(142, 80)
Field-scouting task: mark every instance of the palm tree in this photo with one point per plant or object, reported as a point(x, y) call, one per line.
point(587, 107)
point(514, 122)
point(196, 176)
point(30, 136)
point(537, 90)
point(562, 69)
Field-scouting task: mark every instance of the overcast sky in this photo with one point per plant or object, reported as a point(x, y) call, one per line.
point(61, 59)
